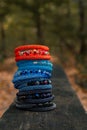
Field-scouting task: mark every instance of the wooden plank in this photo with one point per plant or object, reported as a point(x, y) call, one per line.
point(69, 114)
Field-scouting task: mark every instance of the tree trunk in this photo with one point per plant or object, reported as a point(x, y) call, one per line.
point(3, 42)
point(39, 30)
point(82, 27)
point(23, 37)
point(38, 21)
point(69, 10)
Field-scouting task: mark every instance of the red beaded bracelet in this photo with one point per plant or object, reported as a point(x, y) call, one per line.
point(25, 47)
point(32, 52)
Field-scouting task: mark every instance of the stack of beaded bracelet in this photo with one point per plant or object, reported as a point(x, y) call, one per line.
point(32, 78)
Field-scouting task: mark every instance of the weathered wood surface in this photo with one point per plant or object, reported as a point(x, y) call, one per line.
point(69, 114)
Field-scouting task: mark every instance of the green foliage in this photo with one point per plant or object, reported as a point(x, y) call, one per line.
point(56, 21)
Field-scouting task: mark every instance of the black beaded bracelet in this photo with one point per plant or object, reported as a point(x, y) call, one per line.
point(32, 83)
point(35, 96)
point(37, 107)
point(36, 101)
point(24, 93)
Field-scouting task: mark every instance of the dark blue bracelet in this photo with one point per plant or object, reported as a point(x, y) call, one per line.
point(36, 101)
point(35, 95)
point(32, 83)
point(18, 83)
point(35, 87)
point(24, 93)
point(36, 107)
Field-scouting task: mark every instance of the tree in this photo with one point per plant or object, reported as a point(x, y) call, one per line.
point(83, 47)
point(4, 10)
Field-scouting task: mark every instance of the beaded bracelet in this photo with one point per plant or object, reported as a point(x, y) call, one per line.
point(32, 83)
point(25, 47)
point(32, 52)
point(31, 72)
point(35, 96)
point(36, 107)
point(24, 93)
point(33, 62)
point(32, 57)
point(36, 101)
point(20, 82)
point(39, 68)
point(35, 87)
point(25, 77)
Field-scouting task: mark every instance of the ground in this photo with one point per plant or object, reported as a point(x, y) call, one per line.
point(8, 93)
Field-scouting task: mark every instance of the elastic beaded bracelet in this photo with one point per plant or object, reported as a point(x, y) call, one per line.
point(26, 77)
point(35, 87)
point(25, 47)
point(18, 58)
point(34, 62)
point(20, 82)
point(32, 52)
point(32, 83)
point(36, 107)
point(35, 96)
point(36, 68)
point(31, 72)
point(36, 101)
point(24, 93)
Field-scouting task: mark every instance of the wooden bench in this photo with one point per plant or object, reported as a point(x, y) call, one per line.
point(69, 114)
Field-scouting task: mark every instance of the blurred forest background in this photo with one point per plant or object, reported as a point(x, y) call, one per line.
point(59, 24)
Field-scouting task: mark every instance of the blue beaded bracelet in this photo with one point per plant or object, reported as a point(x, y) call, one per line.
point(24, 93)
point(20, 82)
point(35, 96)
point(32, 83)
point(36, 107)
point(36, 87)
point(30, 72)
point(23, 63)
point(26, 77)
point(36, 101)
point(34, 67)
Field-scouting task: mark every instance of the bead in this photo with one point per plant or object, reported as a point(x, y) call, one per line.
point(21, 53)
point(37, 83)
point(46, 52)
point(49, 81)
point(37, 95)
point(44, 72)
point(25, 53)
point(45, 82)
point(34, 51)
point(35, 62)
point(39, 71)
point(44, 95)
point(19, 73)
point(48, 94)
